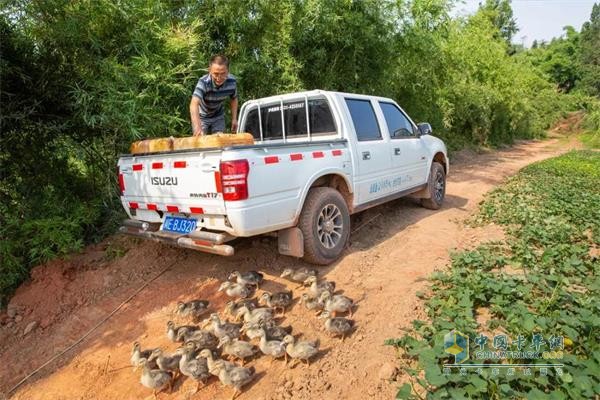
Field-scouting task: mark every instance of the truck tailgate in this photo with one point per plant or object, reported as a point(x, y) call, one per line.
point(177, 183)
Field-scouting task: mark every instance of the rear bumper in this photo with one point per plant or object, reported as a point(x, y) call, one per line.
point(208, 242)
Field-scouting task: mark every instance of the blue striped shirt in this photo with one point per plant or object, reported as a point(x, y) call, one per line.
point(212, 97)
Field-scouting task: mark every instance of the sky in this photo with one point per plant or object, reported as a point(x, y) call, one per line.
point(540, 19)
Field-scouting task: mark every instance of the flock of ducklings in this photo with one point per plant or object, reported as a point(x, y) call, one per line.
point(203, 345)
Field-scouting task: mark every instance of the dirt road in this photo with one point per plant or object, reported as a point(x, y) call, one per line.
point(393, 249)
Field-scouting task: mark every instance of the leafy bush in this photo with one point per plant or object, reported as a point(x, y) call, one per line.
point(544, 279)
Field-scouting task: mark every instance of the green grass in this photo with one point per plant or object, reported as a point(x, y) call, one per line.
point(543, 279)
point(591, 140)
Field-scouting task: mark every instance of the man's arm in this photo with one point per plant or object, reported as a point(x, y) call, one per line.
point(195, 117)
point(234, 110)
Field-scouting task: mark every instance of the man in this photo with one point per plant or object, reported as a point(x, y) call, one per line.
point(206, 108)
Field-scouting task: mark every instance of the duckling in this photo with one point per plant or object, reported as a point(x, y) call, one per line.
point(311, 303)
point(194, 309)
point(316, 288)
point(237, 348)
point(201, 338)
point(252, 278)
point(336, 303)
point(215, 365)
point(235, 377)
point(221, 329)
point(235, 289)
point(279, 300)
point(195, 368)
point(232, 307)
point(173, 331)
point(273, 348)
point(337, 326)
point(274, 332)
point(155, 379)
point(167, 363)
point(298, 275)
point(300, 350)
point(256, 315)
point(137, 354)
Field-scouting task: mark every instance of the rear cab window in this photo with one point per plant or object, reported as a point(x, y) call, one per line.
point(293, 119)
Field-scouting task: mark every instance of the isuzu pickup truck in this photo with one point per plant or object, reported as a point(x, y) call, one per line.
point(317, 158)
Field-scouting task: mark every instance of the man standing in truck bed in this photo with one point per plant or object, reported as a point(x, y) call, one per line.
point(206, 107)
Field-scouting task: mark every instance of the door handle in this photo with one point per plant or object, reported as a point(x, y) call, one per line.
point(366, 155)
point(396, 151)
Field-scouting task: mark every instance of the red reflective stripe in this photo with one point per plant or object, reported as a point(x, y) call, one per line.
point(152, 207)
point(203, 243)
point(122, 183)
point(137, 167)
point(133, 205)
point(218, 182)
point(172, 209)
point(296, 157)
point(271, 160)
point(179, 164)
point(318, 154)
point(336, 152)
point(157, 165)
point(197, 210)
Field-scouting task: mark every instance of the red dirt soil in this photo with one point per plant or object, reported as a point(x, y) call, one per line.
point(393, 249)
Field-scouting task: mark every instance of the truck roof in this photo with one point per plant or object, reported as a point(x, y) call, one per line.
point(311, 93)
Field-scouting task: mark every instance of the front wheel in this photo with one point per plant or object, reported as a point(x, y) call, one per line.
point(325, 225)
point(436, 187)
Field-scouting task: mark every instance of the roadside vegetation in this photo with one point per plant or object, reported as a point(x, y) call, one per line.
point(81, 80)
point(543, 279)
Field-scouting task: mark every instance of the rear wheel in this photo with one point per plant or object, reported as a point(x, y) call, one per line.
point(436, 187)
point(325, 225)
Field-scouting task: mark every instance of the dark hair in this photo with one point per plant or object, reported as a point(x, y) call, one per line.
point(219, 59)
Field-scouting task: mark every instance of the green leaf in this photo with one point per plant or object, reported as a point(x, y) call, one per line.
point(479, 383)
point(404, 392)
point(434, 376)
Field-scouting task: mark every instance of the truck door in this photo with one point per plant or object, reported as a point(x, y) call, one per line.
point(371, 152)
point(407, 150)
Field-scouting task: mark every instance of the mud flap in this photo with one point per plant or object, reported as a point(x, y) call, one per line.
point(290, 242)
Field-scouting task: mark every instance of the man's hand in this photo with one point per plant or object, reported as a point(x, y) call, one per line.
point(234, 126)
point(198, 132)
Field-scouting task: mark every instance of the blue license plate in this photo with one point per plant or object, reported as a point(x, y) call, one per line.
point(179, 225)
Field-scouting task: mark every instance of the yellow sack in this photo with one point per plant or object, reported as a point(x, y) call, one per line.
point(152, 145)
point(216, 140)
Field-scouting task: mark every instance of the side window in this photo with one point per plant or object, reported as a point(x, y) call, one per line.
point(365, 121)
point(398, 125)
point(321, 119)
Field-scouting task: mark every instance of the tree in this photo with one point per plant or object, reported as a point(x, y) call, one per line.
point(500, 14)
point(590, 52)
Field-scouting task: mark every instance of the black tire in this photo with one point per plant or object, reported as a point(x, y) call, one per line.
point(436, 186)
point(325, 225)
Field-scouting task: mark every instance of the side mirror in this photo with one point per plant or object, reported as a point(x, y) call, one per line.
point(424, 128)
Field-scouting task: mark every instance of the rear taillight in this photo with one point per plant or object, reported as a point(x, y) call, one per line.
point(234, 179)
point(121, 181)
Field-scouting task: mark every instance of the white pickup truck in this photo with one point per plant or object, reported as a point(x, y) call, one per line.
point(318, 157)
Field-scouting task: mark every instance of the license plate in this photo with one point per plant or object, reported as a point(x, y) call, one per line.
point(179, 225)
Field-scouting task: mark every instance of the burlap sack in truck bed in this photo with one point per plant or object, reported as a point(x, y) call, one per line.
point(151, 145)
point(191, 142)
point(216, 140)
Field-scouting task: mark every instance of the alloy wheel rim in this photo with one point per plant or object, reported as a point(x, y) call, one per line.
point(330, 226)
